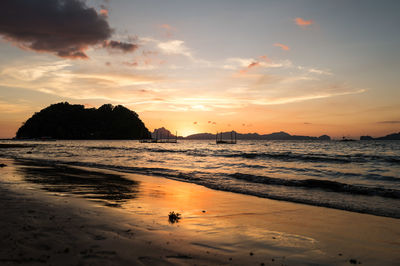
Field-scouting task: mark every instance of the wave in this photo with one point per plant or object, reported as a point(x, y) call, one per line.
point(326, 185)
point(336, 174)
point(225, 182)
point(288, 156)
point(321, 184)
point(324, 158)
point(281, 156)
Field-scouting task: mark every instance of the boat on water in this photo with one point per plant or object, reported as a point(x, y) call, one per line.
point(161, 139)
point(219, 140)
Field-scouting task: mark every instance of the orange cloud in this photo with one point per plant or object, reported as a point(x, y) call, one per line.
point(303, 23)
point(104, 12)
point(132, 64)
point(282, 46)
point(146, 60)
point(265, 58)
point(169, 30)
point(166, 26)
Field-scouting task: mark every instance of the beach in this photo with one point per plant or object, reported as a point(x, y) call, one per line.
point(68, 223)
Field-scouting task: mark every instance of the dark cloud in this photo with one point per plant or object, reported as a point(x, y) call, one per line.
point(122, 46)
point(63, 27)
point(253, 64)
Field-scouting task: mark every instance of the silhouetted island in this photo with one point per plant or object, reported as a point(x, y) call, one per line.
point(255, 136)
point(393, 136)
point(74, 121)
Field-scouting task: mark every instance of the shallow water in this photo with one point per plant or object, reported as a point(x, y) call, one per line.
point(362, 176)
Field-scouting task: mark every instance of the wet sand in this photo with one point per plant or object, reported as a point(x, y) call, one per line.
point(58, 215)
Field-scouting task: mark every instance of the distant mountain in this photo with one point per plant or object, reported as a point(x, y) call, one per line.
point(394, 136)
point(201, 136)
point(68, 121)
point(366, 138)
point(255, 136)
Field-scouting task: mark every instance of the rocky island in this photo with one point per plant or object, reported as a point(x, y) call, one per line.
point(74, 121)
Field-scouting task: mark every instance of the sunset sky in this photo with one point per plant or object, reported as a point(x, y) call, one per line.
point(304, 67)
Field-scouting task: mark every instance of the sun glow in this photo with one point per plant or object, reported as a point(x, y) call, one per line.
point(185, 131)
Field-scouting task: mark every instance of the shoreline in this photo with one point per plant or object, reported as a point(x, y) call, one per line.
point(43, 223)
point(131, 170)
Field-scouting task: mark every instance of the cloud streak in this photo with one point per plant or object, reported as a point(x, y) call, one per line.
point(169, 30)
point(61, 79)
point(251, 65)
point(303, 23)
point(175, 47)
point(285, 100)
point(282, 46)
point(156, 93)
point(63, 27)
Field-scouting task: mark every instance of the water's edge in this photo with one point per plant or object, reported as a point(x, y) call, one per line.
point(178, 176)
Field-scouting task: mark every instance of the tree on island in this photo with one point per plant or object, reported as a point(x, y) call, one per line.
point(73, 121)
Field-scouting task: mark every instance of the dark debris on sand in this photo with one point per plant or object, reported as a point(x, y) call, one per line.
point(174, 217)
point(354, 261)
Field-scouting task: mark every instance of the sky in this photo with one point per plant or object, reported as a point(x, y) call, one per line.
point(303, 67)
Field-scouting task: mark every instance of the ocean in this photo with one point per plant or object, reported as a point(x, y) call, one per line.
point(358, 176)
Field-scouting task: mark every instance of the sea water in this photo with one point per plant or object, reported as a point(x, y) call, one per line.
point(359, 176)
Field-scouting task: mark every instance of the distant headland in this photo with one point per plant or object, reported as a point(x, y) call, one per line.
point(394, 136)
point(73, 121)
point(165, 133)
point(255, 136)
